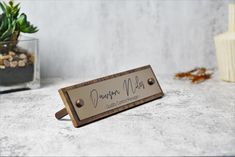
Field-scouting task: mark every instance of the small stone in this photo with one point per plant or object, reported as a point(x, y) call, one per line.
point(22, 56)
point(13, 64)
point(5, 57)
point(11, 53)
point(21, 63)
point(31, 58)
point(25, 60)
point(10, 58)
point(2, 67)
point(15, 57)
point(6, 63)
point(1, 61)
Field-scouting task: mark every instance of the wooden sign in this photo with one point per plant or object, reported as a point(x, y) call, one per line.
point(97, 99)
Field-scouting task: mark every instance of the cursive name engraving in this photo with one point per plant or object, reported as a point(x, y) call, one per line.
point(95, 96)
point(131, 87)
point(108, 95)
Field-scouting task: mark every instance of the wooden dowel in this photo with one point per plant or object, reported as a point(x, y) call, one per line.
point(60, 114)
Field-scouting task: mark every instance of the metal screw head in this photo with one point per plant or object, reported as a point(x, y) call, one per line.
point(151, 81)
point(79, 103)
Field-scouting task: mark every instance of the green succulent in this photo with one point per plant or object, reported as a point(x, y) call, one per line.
point(12, 23)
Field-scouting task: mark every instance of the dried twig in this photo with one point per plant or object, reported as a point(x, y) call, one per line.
point(197, 75)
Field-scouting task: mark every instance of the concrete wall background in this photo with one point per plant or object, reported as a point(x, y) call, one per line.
point(91, 38)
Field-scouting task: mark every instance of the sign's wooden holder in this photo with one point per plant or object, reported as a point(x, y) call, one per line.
point(61, 113)
point(73, 108)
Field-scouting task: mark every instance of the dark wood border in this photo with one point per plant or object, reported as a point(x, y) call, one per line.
point(75, 118)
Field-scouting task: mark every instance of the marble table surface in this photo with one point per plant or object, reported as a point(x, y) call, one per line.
point(188, 120)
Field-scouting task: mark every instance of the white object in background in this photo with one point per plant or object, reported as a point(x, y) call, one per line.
point(225, 49)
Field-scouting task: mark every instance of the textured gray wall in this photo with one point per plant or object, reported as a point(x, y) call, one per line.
point(90, 38)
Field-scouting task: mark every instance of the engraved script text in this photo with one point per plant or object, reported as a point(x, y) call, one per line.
point(95, 96)
point(129, 86)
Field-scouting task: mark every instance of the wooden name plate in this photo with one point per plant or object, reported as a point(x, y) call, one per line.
point(97, 99)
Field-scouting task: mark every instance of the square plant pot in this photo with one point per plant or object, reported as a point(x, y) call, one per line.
point(19, 64)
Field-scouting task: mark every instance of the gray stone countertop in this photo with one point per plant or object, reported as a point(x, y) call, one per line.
point(188, 120)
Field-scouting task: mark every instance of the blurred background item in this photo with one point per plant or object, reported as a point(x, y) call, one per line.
point(225, 49)
point(19, 62)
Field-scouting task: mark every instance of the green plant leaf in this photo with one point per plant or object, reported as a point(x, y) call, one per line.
point(2, 7)
point(24, 25)
point(22, 19)
point(17, 10)
point(11, 3)
point(7, 33)
point(1, 22)
point(7, 9)
point(13, 26)
point(4, 23)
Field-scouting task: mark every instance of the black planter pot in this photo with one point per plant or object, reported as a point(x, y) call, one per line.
point(18, 75)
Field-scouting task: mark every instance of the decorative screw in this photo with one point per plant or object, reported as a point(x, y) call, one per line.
point(151, 81)
point(79, 103)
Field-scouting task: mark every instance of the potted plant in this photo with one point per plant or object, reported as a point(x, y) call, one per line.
point(19, 66)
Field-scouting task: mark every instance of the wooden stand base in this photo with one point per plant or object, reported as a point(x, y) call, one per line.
point(62, 113)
